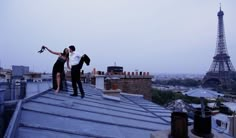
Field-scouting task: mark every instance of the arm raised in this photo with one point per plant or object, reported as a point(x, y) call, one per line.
point(56, 53)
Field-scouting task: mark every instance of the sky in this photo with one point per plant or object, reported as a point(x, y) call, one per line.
point(156, 36)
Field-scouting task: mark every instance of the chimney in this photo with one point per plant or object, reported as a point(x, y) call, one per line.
point(112, 92)
point(99, 79)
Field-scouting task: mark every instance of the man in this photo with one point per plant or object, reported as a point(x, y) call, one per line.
point(75, 71)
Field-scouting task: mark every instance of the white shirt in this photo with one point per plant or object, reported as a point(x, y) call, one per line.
point(74, 58)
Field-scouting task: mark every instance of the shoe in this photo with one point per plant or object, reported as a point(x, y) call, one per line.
point(82, 95)
point(73, 94)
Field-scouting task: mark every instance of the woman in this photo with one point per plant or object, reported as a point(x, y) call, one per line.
point(58, 68)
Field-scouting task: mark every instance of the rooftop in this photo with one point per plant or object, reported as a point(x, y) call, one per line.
point(60, 115)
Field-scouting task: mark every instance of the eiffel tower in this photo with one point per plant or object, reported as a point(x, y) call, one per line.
point(221, 74)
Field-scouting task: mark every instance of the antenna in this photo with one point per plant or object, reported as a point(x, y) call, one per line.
point(220, 6)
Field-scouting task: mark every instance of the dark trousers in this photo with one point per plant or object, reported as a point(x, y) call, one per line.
point(75, 78)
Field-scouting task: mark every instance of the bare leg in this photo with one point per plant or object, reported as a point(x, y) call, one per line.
point(58, 77)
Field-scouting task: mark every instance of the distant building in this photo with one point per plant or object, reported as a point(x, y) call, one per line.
point(115, 69)
point(46, 76)
point(19, 71)
point(5, 74)
point(33, 76)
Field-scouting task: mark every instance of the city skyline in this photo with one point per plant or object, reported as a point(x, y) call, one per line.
point(151, 36)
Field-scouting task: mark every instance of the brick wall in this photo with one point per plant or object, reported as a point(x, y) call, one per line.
point(132, 85)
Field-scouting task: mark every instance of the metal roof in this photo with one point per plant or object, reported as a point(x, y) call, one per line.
point(63, 116)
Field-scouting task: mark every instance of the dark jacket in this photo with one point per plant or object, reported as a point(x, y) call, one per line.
point(83, 59)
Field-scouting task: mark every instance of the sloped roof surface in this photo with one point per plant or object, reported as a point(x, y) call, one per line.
point(63, 116)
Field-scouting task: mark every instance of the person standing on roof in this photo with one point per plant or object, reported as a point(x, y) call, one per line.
point(58, 73)
point(75, 71)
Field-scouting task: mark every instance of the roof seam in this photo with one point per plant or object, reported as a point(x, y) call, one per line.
point(95, 107)
point(106, 104)
point(148, 110)
point(96, 121)
point(27, 125)
point(106, 114)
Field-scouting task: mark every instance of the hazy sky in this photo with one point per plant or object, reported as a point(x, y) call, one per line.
point(158, 36)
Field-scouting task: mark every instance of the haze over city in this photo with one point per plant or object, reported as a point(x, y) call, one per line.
point(158, 36)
